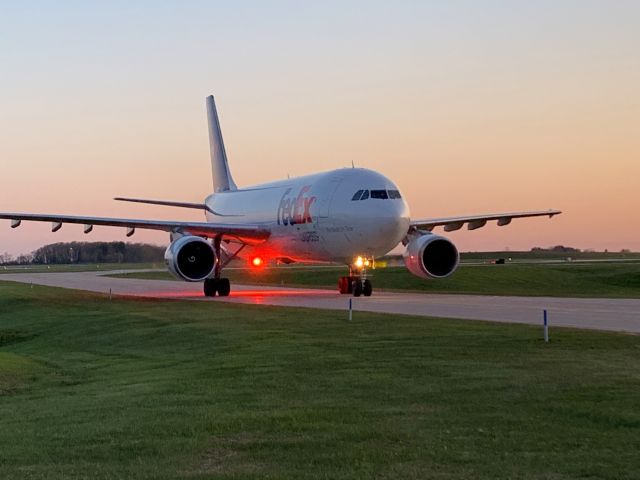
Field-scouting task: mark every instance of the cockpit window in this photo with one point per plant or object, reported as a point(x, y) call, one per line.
point(381, 194)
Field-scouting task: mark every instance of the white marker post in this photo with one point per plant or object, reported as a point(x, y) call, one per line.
point(546, 328)
point(350, 309)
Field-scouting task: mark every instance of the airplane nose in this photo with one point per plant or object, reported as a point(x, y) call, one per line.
point(399, 218)
point(390, 223)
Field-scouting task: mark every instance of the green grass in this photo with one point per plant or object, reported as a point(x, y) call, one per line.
point(77, 267)
point(549, 256)
point(162, 389)
point(615, 280)
point(15, 372)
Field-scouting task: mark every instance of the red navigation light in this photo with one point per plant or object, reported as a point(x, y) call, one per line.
point(257, 262)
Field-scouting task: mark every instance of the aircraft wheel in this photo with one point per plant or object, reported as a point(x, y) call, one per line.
point(367, 288)
point(210, 287)
point(357, 287)
point(224, 287)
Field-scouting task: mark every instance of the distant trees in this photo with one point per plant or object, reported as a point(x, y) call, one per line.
point(85, 252)
point(8, 259)
point(557, 248)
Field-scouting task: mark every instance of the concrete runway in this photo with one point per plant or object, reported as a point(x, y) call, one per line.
point(592, 313)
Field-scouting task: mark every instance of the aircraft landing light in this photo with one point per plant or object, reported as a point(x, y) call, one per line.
point(363, 262)
point(257, 262)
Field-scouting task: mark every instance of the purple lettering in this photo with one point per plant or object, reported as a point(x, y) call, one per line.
point(296, 210)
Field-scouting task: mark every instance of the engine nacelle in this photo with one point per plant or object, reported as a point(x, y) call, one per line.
point(431, 256)
point(190, 258)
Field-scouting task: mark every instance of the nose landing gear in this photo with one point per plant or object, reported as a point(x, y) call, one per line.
point(356, 283)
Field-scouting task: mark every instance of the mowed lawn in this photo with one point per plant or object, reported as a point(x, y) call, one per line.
point(615, 280)
point(76, 267)
point(92, 388)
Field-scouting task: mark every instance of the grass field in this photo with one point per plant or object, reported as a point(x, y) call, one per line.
point(550, 255)
point(77, 267)
point(616, 280)
point(91, 388)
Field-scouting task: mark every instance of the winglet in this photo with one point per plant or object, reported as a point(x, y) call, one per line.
point(222, 180)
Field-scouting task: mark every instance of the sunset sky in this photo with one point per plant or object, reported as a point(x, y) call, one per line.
point(469, 106)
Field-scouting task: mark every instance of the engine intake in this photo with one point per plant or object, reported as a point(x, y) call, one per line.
point(431, 256)
point(190, 258)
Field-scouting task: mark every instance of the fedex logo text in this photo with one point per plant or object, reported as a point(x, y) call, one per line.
point(295, 210)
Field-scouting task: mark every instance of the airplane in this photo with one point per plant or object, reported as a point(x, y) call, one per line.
point(349, 216)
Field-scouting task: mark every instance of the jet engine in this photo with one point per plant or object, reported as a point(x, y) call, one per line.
point(431, 256)
point(190, 258)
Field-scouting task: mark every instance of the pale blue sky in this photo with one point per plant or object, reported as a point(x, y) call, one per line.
point(101, 99)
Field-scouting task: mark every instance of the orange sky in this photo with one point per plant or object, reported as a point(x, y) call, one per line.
point(470, 110)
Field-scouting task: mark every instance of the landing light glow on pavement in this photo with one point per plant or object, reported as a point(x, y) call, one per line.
point(241, 293)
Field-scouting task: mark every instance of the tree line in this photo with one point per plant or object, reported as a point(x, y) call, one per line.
point(557, 249)
point(88, 252)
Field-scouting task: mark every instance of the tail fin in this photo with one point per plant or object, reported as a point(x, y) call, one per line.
point(222, 180)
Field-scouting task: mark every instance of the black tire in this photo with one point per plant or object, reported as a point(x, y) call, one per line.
point(357, 288)
point(367, 288)
point(210, 287)
point(224, 287)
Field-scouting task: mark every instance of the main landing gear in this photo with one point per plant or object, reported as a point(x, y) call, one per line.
point(217, 285)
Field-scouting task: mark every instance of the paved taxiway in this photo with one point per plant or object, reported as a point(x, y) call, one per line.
point(592, 313)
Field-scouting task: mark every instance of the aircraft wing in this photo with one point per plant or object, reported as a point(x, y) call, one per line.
point(164, 203)
point(477, 221)
point(242, 232)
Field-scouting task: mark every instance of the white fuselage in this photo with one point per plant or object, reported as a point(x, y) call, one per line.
point(315, 219)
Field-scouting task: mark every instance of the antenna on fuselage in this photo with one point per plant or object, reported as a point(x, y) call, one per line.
point(352, 164)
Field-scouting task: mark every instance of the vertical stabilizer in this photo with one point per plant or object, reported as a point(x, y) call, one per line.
point(222, 180)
